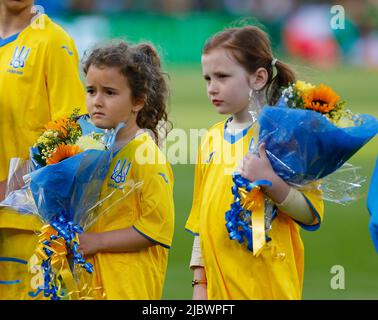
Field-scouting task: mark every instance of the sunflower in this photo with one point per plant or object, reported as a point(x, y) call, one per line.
point(63, 151)
point(321, 99)
point(61, 126)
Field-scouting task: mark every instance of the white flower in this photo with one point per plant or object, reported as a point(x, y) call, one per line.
point(345, 122)
point(88, 142)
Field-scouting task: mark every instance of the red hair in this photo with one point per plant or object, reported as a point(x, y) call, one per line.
point(250, 47)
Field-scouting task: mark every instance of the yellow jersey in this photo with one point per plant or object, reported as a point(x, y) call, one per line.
point(232, 271)
point(149, 209)
point(39, 82)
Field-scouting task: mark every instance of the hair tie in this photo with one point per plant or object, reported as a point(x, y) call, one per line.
point(274, 62)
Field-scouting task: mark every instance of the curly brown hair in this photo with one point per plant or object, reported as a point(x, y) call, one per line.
point(141, 66)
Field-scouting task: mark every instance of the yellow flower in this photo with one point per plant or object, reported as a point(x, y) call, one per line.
point(321, 99)
point(42, 140)
point(63, 151)
point(88, 142)
point(303, 87)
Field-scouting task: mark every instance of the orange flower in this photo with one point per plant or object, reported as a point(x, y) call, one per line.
point(321, 99)
point(63, 151)
point(61, 126)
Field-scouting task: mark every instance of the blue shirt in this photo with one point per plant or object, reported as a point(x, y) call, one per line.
point(372, 205)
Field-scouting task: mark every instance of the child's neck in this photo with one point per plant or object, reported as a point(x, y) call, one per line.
point(126, 134)
point(241, 118)
point(11, 24)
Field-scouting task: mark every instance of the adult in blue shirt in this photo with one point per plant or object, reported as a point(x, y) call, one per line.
point(372, 204)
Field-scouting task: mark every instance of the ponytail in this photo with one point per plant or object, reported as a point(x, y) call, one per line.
point(283, 78)
point(148, 53)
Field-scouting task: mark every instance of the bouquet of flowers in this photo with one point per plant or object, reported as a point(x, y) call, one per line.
point(67, 168)
point(308, 135)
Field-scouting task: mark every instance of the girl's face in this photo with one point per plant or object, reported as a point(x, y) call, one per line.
point(16, 6)
point(228, 84)
point(109, 99)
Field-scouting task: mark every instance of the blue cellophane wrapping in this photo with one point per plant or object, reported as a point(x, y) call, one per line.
point(69, 188)
point(303, 145)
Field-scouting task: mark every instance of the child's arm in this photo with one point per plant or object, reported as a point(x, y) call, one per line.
point(256, 168)
point(2, 189)
point(199, 289)
point(122, 240)
point(199, 274)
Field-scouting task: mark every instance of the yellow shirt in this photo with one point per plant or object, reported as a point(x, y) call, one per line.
point(232, 271)
point(149, 209)
point(39, 81)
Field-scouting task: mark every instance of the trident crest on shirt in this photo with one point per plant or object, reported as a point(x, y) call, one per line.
point(120, 172)
point(19, 57)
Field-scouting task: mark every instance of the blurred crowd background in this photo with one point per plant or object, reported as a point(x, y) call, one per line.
point(299, 29)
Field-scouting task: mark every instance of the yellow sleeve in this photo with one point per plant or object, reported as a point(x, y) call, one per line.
point(156, 221)
point(193, 222)
point(316, 203)
point(64, 87)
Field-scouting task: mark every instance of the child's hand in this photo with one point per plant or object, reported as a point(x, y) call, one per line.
point(256, 168)
point(89, 243)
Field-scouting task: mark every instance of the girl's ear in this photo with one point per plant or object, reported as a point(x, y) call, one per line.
point(139, 104)
point(137, 108)
point(258, 80)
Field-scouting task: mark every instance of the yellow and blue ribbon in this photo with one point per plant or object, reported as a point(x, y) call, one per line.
point(56, 241)
point(245, 221)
